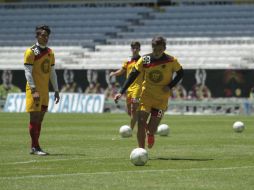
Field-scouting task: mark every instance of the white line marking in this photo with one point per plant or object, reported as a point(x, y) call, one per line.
point(53, 160)
point(37, 161)
point(119, 172)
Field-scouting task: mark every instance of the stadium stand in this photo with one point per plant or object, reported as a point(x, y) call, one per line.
point(70, 26)
point(191, 56)
point(86, 36)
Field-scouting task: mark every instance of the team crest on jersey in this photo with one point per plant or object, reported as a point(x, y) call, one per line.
point(45, 66)
point(155, 76)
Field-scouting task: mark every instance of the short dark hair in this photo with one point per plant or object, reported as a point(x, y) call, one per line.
point(135, 43)
point(159, 40)
point(39, 28)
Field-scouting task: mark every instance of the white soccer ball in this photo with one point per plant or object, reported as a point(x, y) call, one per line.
point(139, 156)
point(163, 130)
point(238, 126)
point(125, 131)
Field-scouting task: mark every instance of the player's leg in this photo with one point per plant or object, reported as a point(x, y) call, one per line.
point(34, 112)
point(42, 114)
point(34, 126)
point(154, 121)
point(36, 119)
point(128, 105)
point(141, 134)
point(44, 109)
point(134, 106)
point(36, 149)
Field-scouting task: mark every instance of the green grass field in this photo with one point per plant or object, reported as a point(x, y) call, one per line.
point(201, 153)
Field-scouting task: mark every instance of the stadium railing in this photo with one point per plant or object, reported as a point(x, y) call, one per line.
point(206, 2)
point(76, 3)
point(237, 54)
point(215, 106)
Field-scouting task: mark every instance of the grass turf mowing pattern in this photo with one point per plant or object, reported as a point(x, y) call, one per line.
point(201, 152)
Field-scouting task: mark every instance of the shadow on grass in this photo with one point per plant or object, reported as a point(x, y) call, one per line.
point(188, 159)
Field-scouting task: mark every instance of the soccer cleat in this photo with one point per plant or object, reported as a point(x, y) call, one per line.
point(38, 151)
point(150, 140)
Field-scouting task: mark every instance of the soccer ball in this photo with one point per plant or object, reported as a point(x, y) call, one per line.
point(238, 126)
point(139, 156)
point(125, 131)
point(163, 130)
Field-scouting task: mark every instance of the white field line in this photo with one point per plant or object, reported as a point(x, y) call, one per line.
point(52, 160)
point(122, 172)
point(38, 161)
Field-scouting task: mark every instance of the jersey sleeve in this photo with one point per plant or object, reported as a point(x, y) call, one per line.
point(139, 65)
point(52, 61)
point(29, 57)
point(124, 66)
point(176, 66)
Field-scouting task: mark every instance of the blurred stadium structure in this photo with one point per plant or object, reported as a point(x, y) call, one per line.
point(95, 34)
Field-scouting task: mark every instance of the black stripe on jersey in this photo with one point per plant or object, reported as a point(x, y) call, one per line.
point(131, 78)
point(154, 62)
point(28, 64)
point(52, 65)
point(164, 57)
point(41, 54)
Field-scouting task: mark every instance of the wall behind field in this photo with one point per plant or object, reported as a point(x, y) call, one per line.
point(221, 83)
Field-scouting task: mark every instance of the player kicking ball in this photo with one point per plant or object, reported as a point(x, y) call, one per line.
point(158, 69)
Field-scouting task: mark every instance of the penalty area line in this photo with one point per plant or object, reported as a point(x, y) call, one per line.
point(122, 172)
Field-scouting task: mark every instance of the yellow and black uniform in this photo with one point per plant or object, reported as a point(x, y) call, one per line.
point(41, 59)
point(158, 73)
point(134, 90)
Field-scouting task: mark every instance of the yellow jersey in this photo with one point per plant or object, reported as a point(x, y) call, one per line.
point(136, 85)
point(41, 60)
point(158, 73)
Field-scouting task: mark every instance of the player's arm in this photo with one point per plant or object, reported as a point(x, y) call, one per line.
point(29, 77)
point(53, 80)
point(28, 67)
point(118, 72)
point(131, 78)
point(177, 78)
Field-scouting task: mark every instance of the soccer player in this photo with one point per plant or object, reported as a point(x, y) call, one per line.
point(158, 69)
point(39, 68)
point(133, 92)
